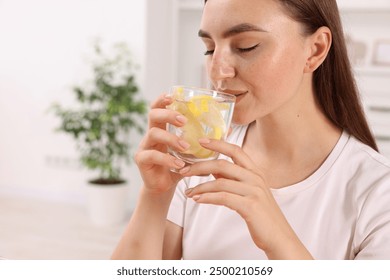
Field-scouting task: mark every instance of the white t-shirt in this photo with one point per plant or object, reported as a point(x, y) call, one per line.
point(342, 211)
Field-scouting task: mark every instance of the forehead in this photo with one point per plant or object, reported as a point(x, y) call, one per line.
point(219, 15)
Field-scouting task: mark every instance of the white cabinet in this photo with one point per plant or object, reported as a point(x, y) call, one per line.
point(190, 60)
point(366, 23)
point(364, 5)
point(174, 51)
point(375, 89)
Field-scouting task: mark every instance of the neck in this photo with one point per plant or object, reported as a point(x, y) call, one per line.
point(290, 145)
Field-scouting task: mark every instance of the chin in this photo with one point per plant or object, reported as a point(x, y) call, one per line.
point(241, 120)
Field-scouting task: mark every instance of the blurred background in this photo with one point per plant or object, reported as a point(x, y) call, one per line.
point(44, 51)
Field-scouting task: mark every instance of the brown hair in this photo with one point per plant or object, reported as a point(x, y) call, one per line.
point(334, 84)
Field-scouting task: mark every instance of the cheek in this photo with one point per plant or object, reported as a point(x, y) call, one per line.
point(277, 75)
point(273, 80)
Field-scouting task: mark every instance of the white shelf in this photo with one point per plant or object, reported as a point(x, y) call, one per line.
point(373, 70)
point(364, 5)
point(372, 6)
point(193, 5)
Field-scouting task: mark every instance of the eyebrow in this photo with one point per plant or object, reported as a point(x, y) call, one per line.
point(237, 29)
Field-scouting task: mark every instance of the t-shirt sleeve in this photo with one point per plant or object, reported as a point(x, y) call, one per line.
point(177, 208)
point(373, 225)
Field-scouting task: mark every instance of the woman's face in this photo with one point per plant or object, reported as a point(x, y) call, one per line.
point(256, 52)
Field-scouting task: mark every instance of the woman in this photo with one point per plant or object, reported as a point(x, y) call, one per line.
point(300, 177)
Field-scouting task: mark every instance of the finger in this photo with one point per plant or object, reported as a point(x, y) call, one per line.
point(221, 185)
point(149, 158)
point(162, 101)
point(233, 151)
point(156, 136)
point(232, 201)
point(220, 168)
point(160, 117)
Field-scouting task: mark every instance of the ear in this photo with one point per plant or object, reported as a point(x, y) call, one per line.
point(320, 43)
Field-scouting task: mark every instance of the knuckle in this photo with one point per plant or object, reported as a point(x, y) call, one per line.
point(158, 102)
point(221, 163)
point(151, 114)
point(236, 149)
point(220, 183)
point(224, 198)
point(138, 157)
point(153, 132)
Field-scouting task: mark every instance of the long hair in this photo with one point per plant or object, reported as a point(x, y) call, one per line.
point(334, 84)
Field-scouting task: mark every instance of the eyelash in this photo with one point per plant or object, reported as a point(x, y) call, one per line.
point(241, 50)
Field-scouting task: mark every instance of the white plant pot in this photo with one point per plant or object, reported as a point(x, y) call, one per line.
point(107, 205)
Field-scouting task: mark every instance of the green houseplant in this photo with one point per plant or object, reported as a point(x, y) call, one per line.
point(107, 112)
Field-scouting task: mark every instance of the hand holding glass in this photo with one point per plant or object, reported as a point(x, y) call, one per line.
point(209, 115)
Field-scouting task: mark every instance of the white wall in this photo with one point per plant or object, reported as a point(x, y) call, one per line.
point(160, 47)
point(43, 49)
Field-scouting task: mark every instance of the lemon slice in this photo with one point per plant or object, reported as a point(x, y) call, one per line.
point(205, 120)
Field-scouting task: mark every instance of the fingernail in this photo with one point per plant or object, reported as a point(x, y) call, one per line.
point(204, 141)
point(184, 170)
point(179, 163)
point(167, 99)
point(181, 119)
point(188, 191)
point(196, 197)
point(184, 144)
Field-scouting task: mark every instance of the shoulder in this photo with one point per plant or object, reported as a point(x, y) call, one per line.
point(362, 157)
point(361, 170)
point(368, 177)
point(371, 185)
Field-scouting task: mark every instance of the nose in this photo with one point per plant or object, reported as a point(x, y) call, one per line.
point(221, 68)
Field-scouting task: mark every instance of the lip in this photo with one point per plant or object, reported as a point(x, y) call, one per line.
point(236, 93)
point(240, 94)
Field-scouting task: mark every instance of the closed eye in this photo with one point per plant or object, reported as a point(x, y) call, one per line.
point(244, 50)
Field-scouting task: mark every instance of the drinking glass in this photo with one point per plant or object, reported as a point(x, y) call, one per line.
point(209, 113)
